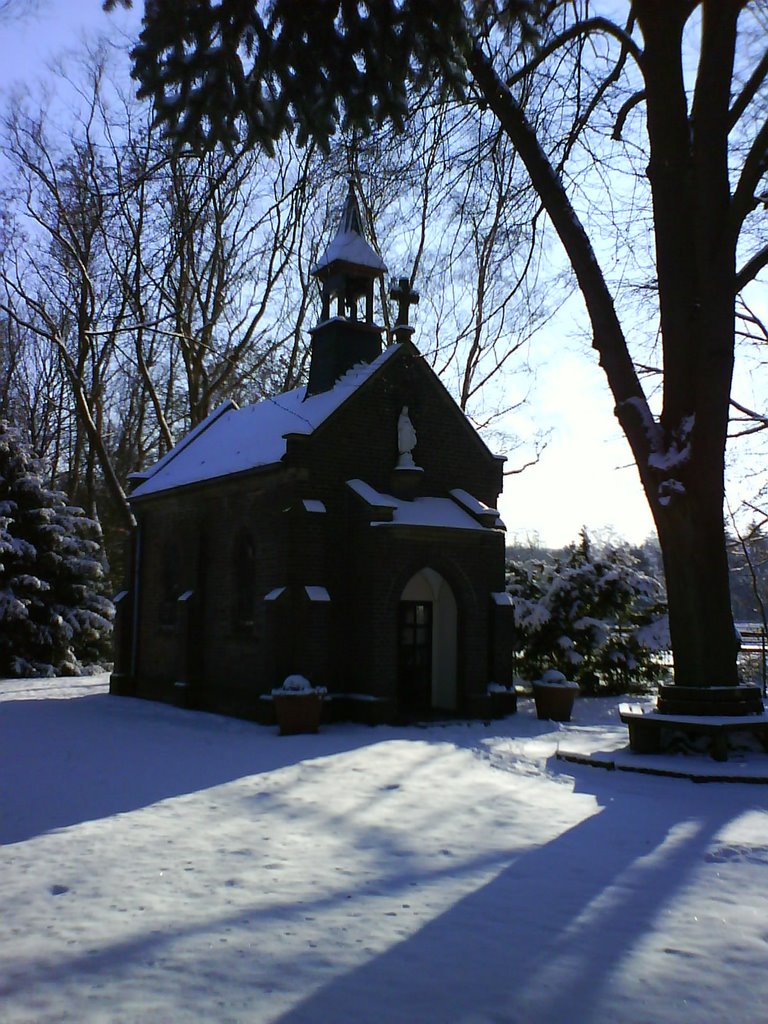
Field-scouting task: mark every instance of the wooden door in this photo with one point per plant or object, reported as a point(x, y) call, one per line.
point(415, 655)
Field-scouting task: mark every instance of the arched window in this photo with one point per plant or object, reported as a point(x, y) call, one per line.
point(428, 617)
point(243, 582)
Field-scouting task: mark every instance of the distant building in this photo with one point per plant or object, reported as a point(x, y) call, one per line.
point(346, 531)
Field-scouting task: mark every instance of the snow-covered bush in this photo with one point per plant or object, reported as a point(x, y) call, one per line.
point(54, 616)
point(597, 618)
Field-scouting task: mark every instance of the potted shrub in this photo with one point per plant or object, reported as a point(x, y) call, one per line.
point(554, 696)
point(298, 705)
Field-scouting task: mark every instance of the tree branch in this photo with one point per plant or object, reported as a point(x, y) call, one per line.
point(579, 28)
point(751, 269)
point(752, 171)
point(750, 89)
point(750, 413)
point(624, 111)
point(608, 337)
point(584, 118)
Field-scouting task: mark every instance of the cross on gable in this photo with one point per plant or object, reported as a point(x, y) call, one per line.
point(406, 297)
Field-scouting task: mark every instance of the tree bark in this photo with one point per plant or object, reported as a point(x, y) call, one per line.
point(695, 257)
point(680, 458)
point(704, 643)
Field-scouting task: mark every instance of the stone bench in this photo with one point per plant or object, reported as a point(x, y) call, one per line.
point(649, 729)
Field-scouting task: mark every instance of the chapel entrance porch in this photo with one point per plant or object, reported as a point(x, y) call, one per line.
point(426, 635)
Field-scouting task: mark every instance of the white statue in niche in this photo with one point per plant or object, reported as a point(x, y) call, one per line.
point(406, 440)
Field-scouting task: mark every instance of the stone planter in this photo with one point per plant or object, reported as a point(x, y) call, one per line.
point(554, 699)
point(298, 712)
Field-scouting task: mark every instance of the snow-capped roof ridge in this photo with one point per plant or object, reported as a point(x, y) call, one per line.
point(234, 440)
point(226, 406)
point(349, 244)
point(429, 511)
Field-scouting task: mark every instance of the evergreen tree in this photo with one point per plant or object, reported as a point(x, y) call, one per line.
point(597, 618)
point(54, 616)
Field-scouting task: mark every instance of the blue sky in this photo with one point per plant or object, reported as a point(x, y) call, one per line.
point(35, 32)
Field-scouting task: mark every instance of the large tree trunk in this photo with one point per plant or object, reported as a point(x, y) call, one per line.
point(695, 262)
point(680, 456)
point(692, 539)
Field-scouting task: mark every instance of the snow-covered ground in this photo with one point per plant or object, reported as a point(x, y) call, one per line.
point(161, 866)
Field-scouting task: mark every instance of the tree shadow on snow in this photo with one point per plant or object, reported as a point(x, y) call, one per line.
point(541, 941)
point(63, 762)
point(118, 959)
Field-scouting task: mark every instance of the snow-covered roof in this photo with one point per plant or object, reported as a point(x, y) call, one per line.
point(473, 504)
point(187, 440)
point(441, 512)
point(478, 508)
point(348, 245)
point(445, 513)
point(371, 495)
point(235, 440)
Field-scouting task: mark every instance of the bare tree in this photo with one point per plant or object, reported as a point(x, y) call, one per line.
point(448, 205)
point(152, 283)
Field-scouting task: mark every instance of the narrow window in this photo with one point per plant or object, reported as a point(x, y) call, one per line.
point(170, 586)
point(243, 583)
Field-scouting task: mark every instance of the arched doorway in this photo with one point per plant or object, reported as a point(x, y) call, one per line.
point(427, 644)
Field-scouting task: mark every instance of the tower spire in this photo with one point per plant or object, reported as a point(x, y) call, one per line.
point(349, 248)
point(350, 218)
point(347, 272)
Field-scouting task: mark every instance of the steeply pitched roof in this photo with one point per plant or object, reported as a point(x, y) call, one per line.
point(349, 245)
point(235, 440)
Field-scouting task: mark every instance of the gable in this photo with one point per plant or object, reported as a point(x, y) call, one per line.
point(360, 440)
point(354, 421)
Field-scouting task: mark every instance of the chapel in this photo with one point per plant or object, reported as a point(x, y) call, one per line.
point(346, 531)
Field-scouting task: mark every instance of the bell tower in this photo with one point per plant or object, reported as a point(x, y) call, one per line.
point(347, 273)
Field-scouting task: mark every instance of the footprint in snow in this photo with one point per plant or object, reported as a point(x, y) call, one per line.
point(730, 854)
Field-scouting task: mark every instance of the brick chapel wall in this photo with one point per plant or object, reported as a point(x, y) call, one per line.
point(350, 644)
point(168, 523)
point(360, 439)
point(206, 524)
point(358, 563)
point(471, 563)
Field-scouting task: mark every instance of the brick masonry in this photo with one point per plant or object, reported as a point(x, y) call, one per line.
point(190, 544)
